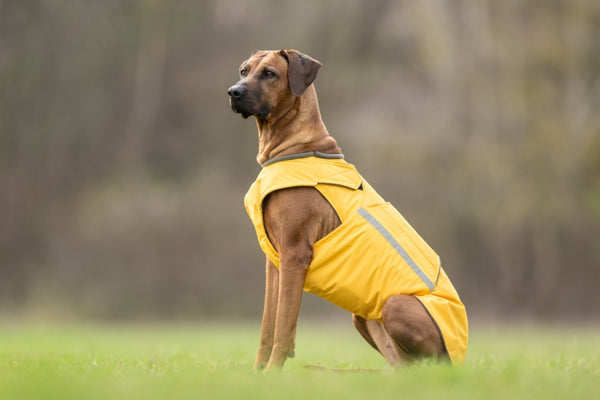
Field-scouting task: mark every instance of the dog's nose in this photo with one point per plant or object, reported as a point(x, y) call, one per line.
point(236, 91)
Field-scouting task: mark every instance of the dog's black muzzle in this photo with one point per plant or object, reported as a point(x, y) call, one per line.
point(237, 98)
point(245, 103)
point(237, 91)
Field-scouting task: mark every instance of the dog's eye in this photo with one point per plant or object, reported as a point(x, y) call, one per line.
point(243, 71)
point(267, 73)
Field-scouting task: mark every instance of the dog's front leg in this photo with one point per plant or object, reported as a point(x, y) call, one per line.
point(291, 281)
point(267, 329)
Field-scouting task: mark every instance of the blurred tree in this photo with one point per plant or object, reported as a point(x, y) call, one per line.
point(122, 169)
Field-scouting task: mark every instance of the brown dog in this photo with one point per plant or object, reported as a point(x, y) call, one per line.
point(276, 88)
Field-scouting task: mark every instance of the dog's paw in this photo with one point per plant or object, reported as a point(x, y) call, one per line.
point(259, 367)
point(291, 353)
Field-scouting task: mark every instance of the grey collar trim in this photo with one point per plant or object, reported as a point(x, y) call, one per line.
point(303, 155)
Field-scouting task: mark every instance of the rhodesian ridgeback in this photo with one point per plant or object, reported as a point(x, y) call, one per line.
point(276, 87)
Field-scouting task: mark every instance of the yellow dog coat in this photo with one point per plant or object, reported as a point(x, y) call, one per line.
point(373, 255)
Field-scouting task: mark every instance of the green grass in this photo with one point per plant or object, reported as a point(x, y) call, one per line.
point(215, 362)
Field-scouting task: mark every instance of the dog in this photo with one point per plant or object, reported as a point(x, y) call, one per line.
point(325, 230)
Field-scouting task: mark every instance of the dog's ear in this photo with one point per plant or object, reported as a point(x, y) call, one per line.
point(302, 70)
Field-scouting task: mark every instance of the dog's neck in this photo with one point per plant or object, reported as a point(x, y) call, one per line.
point(294, 129)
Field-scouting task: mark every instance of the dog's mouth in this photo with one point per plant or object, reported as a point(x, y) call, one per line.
point(239, 108)
point(243, 113)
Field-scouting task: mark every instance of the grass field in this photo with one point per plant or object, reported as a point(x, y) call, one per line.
point(215, 362)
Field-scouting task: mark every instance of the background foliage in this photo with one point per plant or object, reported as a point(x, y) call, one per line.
point(122, 168)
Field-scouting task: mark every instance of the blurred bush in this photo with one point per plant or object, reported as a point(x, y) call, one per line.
point(123, 170)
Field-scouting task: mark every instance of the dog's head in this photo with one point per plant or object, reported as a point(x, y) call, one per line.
point(270, 80)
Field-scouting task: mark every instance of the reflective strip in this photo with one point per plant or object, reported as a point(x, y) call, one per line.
point(384, 232)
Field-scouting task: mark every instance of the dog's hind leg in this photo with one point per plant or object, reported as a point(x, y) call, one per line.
point(411, 328)
point(361, 326)
point(374, 333)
